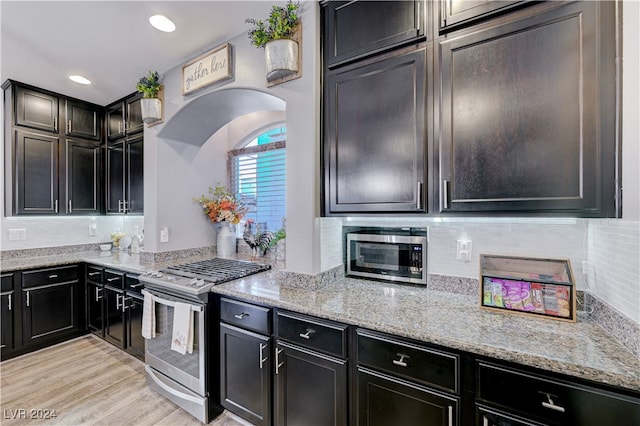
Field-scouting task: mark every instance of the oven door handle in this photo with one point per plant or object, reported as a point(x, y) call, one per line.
point(151, 374)
point(158, 299)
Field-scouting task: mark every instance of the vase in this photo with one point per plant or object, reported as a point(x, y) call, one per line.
point(151, 110)
point(226, 241)
point(281, 58)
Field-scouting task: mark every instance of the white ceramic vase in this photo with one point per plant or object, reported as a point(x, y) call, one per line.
point(226, 240)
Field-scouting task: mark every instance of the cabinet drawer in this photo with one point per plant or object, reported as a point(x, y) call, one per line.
point(49, 276)
point(114, 278)
point(323, 336)
point(550, 400)
point(94, 273)
point(429, 366)
point(133, 284)
point(245, 315)
point(7, 282)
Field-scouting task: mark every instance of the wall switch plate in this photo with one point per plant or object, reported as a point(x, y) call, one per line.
point(93, 230)
point(463, 250)
point(17, 234)
point(164, 235)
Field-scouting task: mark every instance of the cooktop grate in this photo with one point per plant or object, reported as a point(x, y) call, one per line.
point(217, 270)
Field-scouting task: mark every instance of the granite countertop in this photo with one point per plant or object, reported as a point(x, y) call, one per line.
point(582, 349)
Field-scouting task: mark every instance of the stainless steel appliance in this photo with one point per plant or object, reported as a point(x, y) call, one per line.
point(189, 380)
point(390, 254)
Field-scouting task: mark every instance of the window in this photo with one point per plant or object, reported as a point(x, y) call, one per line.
point(258, 178)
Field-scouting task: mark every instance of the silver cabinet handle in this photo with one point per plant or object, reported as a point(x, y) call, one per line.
point(119, 127)
point(551, 405)
point(69, 127)
point(485, 421)
point(98, 295)
point(28, 298)
point(55, 206)
point(450, 415)
point(136, 285)
point(69, 206)
point(263, 346)
point(241, 315)
point(120, 208)
point(278, 363)
point(118, 304)
point(55, 124)
point(91, 274)
point(307, 334)
point(419, 192)
point(401, 361)
point(445, 194)
point(124, 303)
point(9, 301)
point(53, 276)
point(113, 279)
point(125, 203)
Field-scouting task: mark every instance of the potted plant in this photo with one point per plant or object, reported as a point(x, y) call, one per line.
point(150, 104)
point(274, 35)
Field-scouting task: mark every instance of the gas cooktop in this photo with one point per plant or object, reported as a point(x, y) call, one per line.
point(198, 277)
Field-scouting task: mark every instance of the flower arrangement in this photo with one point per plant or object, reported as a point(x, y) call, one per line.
point(221, 206)
point(281, 23)
point(149, 85)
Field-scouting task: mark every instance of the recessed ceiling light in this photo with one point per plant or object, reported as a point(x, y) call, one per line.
point(79, 79)
point(162, 23)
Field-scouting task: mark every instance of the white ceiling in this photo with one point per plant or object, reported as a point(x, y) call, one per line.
point(111, 42)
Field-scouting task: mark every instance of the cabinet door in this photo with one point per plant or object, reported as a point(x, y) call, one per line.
point(36, 174)
point(83, 120)
point(455, 13)
point(115, 177)
point(135, 175)
point(528, 115)
point(114, 330)
point(115, 121)
point(95, 297)
point(7, 307)
point(36, 110)
point(49, 310)
point(134, 114)
point(311, 388)
point(374, 151)
point(354, 29)
point(135, 341)
point(83, 177)
point(386, 401)
point(245, 369)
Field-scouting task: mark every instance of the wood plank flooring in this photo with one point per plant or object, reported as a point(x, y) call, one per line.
point(86, 381)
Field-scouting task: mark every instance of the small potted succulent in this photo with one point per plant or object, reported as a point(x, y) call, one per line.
point(274, 35)
point(150, 104)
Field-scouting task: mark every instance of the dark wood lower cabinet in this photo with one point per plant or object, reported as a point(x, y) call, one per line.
point(49, 311)
point(114, 330)
point(95, 297)
point(7, 309)
point(387, 401)
point(311, 388)
point(245, 375)
point(133, 305)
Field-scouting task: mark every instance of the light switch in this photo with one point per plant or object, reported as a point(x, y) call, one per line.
point(17, 234)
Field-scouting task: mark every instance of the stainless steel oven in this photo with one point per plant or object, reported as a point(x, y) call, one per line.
point(180, 378)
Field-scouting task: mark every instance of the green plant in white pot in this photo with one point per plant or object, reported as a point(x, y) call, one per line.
point(274, 35)
point(150, 104)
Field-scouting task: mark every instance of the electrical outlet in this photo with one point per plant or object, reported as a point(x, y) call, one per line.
point(463, 250)
point(93, 230)
point(164, 235)
point(17, 234)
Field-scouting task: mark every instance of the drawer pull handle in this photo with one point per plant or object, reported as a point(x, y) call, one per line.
point(401, 362)
point(241, 315)
point(278, 363)
point(307, 335)
point(263, 346)
point(551, 405)
point(136, 285)
point(113, 279)
point(91, 274)
point(52, 276)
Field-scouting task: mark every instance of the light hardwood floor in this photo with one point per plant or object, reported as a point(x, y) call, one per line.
point(87, 381)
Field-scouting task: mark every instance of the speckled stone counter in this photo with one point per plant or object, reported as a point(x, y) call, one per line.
point(453, 320)
point(579, 349)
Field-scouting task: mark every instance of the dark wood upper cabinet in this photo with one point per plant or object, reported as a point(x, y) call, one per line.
point(83, 120)
point(457, 13)
point(115, 121)
point(125, 175)
point(135, 175)
point(83, 162)
point(115, 177)
point(528, 111)
point(355, 29)
point(36, 109)
point(134, 114)
point(375, 137)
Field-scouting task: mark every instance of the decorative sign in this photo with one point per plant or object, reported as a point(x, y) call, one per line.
point(211, 67)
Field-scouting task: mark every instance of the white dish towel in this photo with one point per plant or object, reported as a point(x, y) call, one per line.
point(182, 336)
point(148, 316)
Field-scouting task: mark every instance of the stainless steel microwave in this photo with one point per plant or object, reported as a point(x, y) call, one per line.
point(391, 255)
